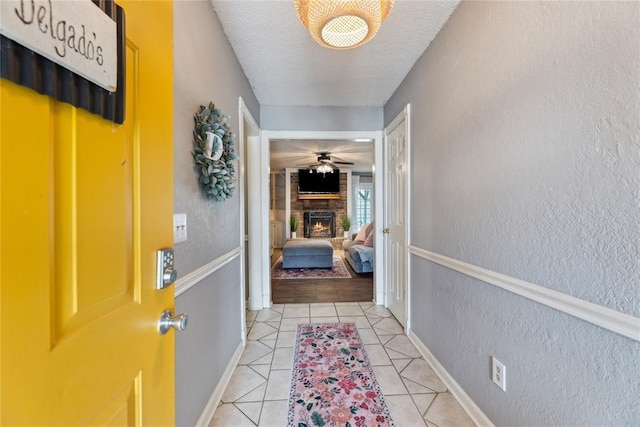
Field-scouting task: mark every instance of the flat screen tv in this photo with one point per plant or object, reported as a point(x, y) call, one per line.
point(311, 182)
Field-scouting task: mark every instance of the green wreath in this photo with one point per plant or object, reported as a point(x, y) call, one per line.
point(214, 152)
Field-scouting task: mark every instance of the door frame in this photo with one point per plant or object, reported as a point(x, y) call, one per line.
point(262, 287)
point(248, 134)
point(404, 115)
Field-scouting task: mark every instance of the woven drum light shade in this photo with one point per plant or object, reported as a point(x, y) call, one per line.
point(342, 24)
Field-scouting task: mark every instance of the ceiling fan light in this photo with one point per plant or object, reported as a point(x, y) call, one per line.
point(324, 168)
point(342, 24)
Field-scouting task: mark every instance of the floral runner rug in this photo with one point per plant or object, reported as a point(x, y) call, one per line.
point(332, 382)
point(338, 271)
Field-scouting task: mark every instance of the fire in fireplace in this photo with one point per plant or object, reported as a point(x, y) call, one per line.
point(319, 224)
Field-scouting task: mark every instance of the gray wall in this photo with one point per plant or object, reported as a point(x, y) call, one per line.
point(205, 69)
point(301, 118)
point(526, 161)
point(205, 348)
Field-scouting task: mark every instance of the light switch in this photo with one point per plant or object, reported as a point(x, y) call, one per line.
point(179, 228)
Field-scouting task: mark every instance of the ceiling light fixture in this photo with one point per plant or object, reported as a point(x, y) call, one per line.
point(324, 168)
point(342, 24)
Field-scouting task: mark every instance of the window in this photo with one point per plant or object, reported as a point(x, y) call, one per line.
point(363, 204)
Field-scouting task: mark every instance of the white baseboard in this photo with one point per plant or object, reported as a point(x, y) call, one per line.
point(469, 406)
point(216, 396)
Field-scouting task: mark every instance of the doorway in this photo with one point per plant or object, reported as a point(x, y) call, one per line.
point(263, 288)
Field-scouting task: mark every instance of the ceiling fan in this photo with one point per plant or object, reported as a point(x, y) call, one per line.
point(325, 164)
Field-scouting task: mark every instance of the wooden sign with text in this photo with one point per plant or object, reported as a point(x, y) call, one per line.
point(74, 34)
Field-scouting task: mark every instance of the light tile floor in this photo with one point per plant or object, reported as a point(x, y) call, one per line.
point(258, 392)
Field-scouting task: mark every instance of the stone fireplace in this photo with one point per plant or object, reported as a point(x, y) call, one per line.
point(301, 204)
point(319, 224)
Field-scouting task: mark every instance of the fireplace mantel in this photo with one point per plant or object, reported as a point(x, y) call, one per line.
point(319, 196)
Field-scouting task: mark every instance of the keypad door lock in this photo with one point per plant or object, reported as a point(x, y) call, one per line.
point(166, 274)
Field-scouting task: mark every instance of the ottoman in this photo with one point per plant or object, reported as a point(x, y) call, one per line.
point(307, 253)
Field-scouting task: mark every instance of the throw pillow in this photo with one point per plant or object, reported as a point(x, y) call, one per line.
point(362, 234)
point(369, 240)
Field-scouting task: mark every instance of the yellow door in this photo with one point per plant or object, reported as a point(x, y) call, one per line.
point(84, 205)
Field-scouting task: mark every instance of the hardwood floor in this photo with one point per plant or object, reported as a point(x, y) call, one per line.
point(357, 289)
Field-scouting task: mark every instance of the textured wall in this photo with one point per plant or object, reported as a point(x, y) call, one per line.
point(204, 349)
point(526, 160)
point(560, 369)
point(299, 118)
point(206, 69)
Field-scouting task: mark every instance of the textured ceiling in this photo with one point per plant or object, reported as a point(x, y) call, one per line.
point(286, 67)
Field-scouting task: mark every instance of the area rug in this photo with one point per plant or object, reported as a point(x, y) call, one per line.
point(332, 382)
point(338, 271)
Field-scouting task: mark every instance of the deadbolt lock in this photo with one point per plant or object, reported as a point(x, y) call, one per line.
point(165, 274)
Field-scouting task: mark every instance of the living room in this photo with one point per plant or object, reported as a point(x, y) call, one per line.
point(321, 196)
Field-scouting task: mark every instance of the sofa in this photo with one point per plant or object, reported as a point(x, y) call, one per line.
point(358, 254)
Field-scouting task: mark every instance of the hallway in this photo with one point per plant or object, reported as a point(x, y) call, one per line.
point(258, 392)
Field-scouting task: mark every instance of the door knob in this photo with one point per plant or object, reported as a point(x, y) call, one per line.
point(167, 321)
point(385, 231)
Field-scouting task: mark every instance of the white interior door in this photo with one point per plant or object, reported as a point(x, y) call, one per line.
point(396, 217)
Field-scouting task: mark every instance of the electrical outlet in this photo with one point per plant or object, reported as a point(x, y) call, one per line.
point(498, 373)
point(179, 228)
